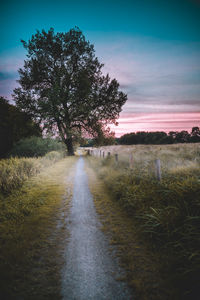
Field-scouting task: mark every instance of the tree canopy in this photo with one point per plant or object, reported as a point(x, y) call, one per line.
point(63, 87)
point(14, 125)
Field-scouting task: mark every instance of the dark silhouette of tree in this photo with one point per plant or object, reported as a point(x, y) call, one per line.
point(195, 135)
point(172, 137)
point(160, 137)
point(182, 137)
point(63, 87)
point(14, 125)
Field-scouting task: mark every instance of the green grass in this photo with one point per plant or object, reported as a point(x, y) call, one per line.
point(33, 233)
point(166, 213)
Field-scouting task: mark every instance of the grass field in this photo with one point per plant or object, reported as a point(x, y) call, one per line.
point(32, 226)
point(155, 224)
point(166, 213)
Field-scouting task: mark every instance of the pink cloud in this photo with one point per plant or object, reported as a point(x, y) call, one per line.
point(156, 122)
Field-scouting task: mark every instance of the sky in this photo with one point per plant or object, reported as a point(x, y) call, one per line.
point(152, 47)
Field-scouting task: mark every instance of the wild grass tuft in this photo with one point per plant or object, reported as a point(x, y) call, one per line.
point(15, 171)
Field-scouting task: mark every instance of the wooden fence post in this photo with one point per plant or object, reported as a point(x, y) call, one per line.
point(116, 157)
point(131, 161)
point(100, 153)
point(103, 154)
point(108, 154)
point(158, 169)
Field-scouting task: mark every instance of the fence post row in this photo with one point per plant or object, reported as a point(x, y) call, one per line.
point(157, 162)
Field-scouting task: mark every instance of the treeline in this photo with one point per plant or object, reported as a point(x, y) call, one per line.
point(160, 137)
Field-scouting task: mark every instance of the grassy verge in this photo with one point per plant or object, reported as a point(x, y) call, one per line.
point(163, 217)
point(141, 264)
point(32, 234)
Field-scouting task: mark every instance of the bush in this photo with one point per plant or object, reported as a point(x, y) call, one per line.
point(35, 147)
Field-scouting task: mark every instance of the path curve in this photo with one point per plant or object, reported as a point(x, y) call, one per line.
point(90, 269)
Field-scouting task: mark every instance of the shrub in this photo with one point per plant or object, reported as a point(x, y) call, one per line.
point(35, 147)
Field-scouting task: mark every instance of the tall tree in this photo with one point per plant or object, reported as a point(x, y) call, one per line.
point(14, 125)
point(63, 87)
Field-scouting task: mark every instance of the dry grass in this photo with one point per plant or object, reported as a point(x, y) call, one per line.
point(33, 232)
point(171, 156)
point(14, 171)
point(141, 264)
point(167, 213)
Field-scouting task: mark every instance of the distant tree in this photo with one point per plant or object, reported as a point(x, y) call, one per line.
point(172, 136)
point(62, 85)
point(182, 137)
point(195, 135)
point(128, 139)
point(14, 125)
point(103, 135)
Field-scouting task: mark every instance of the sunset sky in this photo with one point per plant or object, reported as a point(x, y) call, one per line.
point(152, 47)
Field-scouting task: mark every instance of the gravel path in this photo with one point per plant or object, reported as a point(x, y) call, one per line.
point(90, 269)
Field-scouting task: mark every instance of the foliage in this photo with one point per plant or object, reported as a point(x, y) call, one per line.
point(14, 125)
point(62, 85)
point(103, 136)
point(14, 171)
point(36, 146)
point(160, 137)
point(167, 212)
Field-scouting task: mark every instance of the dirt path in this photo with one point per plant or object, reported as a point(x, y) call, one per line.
point(90, 269)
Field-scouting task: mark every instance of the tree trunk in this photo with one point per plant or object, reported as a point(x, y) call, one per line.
point(69, 144)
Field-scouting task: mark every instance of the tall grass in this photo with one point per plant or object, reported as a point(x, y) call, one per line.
point(32, 226)
point(167, 212)
point(14, 171)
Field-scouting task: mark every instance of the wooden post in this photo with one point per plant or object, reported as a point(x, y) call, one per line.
point(108, 154)
point(158, 169)
point(103, 154)
point(100, 153)
point(88, 152)
point(116, 158)
point(131, 160)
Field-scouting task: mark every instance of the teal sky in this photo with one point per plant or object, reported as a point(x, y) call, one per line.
point(151, 47)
